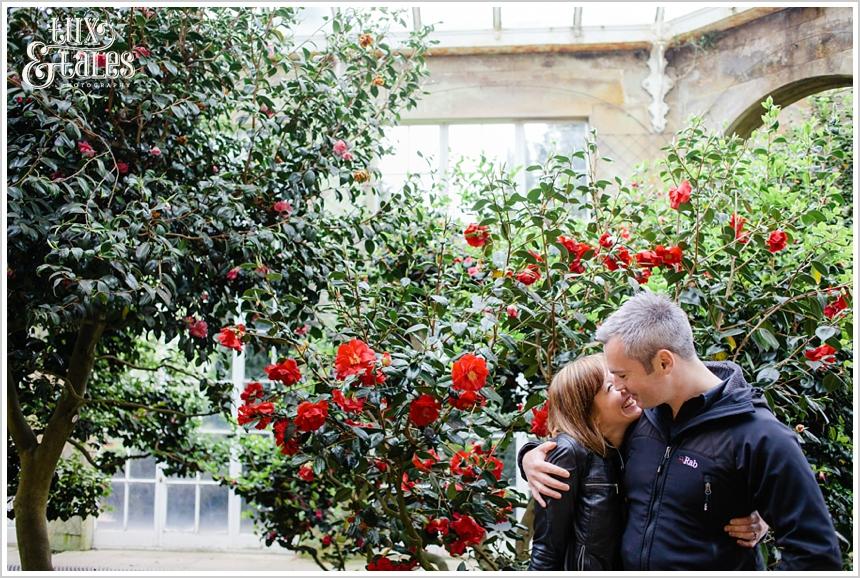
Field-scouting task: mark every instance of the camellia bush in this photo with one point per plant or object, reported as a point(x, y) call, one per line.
point(143, 207)
point(443, 337)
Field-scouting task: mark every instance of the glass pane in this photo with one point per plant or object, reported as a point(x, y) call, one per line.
point(143, 469)
point(111, 518)
point(180, 507)
point(618, 14)
point(465, 16)
point(415, 149)
point(312, 21)
point(213, 509)
point(543, 15)
point(672, 11)
point(256, 360)
point(495, 141)
point(545, 139)
point(215, 422)
point(141, 506)
point(246, 520)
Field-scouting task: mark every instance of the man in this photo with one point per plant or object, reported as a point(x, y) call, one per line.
point(707, 449)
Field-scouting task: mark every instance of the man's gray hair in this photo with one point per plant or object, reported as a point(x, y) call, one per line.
point(646, 324)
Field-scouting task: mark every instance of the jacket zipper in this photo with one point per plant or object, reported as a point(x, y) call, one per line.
point(651, 520)
point(580, 562)
point(707, 493)
point(603, 485)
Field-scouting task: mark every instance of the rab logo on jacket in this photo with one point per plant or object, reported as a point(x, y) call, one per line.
point(687, 461)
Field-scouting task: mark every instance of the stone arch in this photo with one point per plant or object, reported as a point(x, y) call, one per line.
point(750, 118)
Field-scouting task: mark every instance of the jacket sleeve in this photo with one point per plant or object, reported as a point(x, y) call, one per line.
point(784, 491)
point(554, 524)
point(529, 446)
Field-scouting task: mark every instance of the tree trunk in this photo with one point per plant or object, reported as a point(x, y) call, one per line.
point(31, 520)
point(39, 459)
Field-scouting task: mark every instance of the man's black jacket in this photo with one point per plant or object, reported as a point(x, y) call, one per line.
point(723, 456)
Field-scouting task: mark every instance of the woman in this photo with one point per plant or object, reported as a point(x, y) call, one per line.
point(581, 530)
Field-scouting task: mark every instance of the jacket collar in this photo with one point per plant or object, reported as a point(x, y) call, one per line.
point(734, 396)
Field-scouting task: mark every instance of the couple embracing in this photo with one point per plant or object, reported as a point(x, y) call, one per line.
point(660, 461)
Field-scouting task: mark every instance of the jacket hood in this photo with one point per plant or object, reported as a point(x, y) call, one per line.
point(736, 396)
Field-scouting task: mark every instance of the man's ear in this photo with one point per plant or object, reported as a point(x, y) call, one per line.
point(664, 361)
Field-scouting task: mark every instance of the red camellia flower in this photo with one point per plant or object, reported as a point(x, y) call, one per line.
point(425, 465)
point(539, 418)
point(306, 473)
point(469, 373)
point(231, 337)
point(424, 410)
point(529, 275)
point(606, 240)
point(289, 445)
point(437, 526)
point(233, 273)
point(386, 359)
point(371, 377)
point(121, 167)
point(383, 564)
point(253, 392)
point(262, 411)
point(340, 148)
point(86, 149)
point(141, 51)
point(303, 330)
point(476, 235)
point(311, 416)
point(642, 276)
point(831, 310)
point(326, 540)
point(671, 256)
point(777, 241)
point(287, 372)
point(512, 311)
point(470, 464)
point(197, 327)
point(468, 531)
point(467, 400)
point(284, 208)
point(823, 354)
point(101, 59)
point(647, 259)
point(352, 358)
point(680, 195)
point(737, 223)
point(347, 404)
point(537, 256)
point(405, 484)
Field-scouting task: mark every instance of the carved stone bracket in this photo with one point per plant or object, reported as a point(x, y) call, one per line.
point(658, 84)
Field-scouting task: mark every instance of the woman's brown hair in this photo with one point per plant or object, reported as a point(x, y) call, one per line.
point(571, 400)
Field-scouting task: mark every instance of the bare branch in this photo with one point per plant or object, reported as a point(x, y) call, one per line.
point(163, 364)
point(84, 452)
point(149, 408)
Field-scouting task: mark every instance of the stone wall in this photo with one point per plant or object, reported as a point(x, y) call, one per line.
point(717, 75)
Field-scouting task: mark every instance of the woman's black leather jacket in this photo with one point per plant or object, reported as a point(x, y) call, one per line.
point(582, 529)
